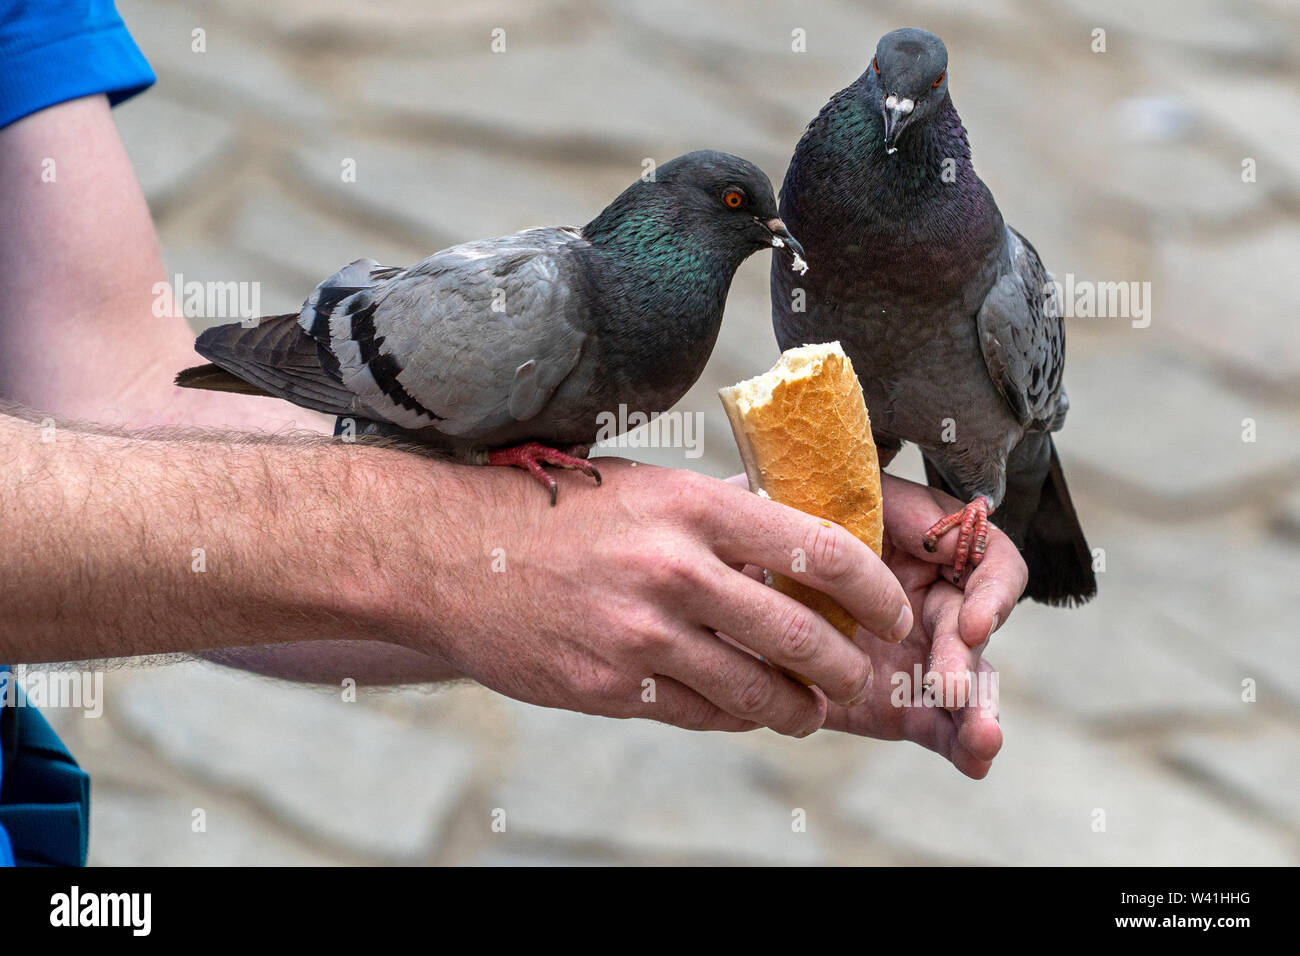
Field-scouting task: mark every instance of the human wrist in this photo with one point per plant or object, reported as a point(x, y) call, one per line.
point(409, 532)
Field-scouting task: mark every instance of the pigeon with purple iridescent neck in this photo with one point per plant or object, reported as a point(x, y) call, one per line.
point(948, 313)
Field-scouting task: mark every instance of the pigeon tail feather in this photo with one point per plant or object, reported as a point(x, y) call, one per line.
point(275, 357)
point(1058, 556)
point(214, 378)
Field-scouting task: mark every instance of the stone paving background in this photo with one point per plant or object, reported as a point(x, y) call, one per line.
point(1122, 165)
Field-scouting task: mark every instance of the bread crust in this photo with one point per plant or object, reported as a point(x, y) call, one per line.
point(805, 439)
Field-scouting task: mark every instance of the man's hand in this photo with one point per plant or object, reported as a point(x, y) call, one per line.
point(610, 603)
point(947, 642)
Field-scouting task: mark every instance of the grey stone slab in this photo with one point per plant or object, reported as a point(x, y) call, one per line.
point(172, 145)
point(232, 72)
point(454, 194)
point(340, 772)
point(1231, 593)
point(1233, 296)
point(348, 25)
point(1158, 423)
point(1261, 768)
point(1117, 660)
point(1247, 111)
point(1237, 32)
point(496, 856)
point(1205, 192)
point(146, 828)
point(645, 789)
point(1214, 594)
point(203, 261)
point(1037, 806)
point(593, 96)
point(1286, 520)
point(722, 33)
point(286, 232)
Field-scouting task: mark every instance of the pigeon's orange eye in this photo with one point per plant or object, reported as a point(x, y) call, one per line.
point(734, 198)
point(875, 64)
point(937, 80)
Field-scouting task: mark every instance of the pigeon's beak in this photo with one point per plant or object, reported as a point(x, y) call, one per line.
point(781, 239)
point(897, 113)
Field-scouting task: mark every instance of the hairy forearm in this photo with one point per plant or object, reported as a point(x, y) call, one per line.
point(119, 545)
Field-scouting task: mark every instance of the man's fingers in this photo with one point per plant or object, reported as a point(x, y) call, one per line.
point(992, 590)
point(978, 729)
point(789, 634)
point(672, 702)
point(817, 553)
point(742, 685)
point(968, 763)
point(952, 662)
point(910, 509)
point(935, 730)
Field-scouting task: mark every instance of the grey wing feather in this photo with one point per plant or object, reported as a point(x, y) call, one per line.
point(276, 357)
point(1022, 336)
point(468, 341)
point(534, 384)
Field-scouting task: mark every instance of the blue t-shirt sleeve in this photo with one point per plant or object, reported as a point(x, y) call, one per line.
point(52, 51)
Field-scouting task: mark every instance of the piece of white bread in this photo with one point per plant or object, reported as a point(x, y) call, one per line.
point(805, 439)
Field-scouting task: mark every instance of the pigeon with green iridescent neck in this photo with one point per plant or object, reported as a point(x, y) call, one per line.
point(947, 312)
point(506, 351)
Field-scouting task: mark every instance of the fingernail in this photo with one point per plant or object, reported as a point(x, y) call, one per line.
point(997, 618)
point(903, 626)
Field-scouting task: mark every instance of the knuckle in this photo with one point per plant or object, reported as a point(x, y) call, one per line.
point(829, 551)
point(757, 695)
point(940, 619)
point(685, 497)
point(691, 482)
point(699, 714)
point(798, 642)
point(854, 683)
point(649, 641)
point(626, 563)
point(677, 570)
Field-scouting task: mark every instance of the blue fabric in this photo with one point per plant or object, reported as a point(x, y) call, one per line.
point(6, 848)
point(52, 51)
point(44, 795)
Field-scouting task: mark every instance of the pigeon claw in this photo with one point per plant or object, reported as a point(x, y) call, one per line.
point(972, 523)
point(533, 455)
